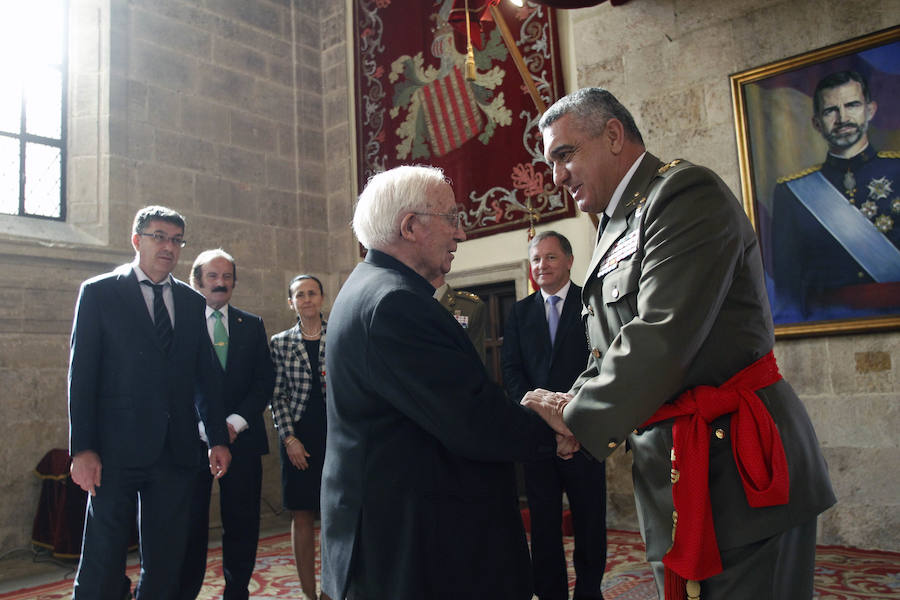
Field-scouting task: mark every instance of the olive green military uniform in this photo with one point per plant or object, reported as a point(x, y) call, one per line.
point(468, 310)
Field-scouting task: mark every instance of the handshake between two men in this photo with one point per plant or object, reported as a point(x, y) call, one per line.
point(549, 406)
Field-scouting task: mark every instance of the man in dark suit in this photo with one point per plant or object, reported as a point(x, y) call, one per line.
point(418, 489)
point(728, 473)
point(546, 350)
point(241, 345)
point(141, 370)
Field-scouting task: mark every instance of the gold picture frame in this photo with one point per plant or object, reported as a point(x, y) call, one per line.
point(777, 144)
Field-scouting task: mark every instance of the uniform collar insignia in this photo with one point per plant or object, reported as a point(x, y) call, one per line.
point(668, 166)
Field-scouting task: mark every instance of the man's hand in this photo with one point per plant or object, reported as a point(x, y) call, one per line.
point(232, 433)
point(566, 447)
point(219, 461)
point(85, 471)
point(549, 405)
point(297, 453)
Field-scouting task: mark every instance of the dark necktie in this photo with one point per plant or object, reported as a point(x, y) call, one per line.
point(604, 220)
point(161, 320)
point(553, 317)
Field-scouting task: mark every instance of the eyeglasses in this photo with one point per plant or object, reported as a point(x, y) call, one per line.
point(453, 218)
point(161, 238)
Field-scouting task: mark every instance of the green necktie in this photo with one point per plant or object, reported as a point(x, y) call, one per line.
point(220, 339)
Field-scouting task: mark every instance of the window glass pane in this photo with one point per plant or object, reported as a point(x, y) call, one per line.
point(43, 112)
point(32, 57)
point(10, 107)
point(45, 18)
point(42, 180)
point(9, 175)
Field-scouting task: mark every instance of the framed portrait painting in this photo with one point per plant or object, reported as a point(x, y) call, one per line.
point(819, 149)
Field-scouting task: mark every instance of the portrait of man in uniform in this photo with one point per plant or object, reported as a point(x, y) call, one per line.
point(823, 146)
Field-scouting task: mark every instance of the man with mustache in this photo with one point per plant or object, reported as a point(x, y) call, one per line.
point(836, 226)
point(241, 344)
point(141, 371)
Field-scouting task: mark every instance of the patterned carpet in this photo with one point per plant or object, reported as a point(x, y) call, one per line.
point(841, 573)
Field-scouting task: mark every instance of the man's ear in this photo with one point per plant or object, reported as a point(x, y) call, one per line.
point(614, 134)
point(406, 227)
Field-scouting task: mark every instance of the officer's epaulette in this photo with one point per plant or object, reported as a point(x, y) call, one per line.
point(888, 154)
point(467, 295)
point(662, 170)
point(799, 174)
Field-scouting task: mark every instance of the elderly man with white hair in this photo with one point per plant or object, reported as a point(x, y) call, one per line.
point(418, 489)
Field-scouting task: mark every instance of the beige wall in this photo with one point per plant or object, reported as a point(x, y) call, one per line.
point(236, 113)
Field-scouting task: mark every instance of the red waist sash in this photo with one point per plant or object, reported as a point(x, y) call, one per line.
point(758, 454)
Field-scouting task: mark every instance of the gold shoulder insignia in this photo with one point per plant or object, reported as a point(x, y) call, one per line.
point(668, 166)
point(637, 199)
point(799, 174)
point(467, 295)
point(889, 154)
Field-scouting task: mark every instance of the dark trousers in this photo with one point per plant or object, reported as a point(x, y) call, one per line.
point(158, 495)
point(781, 567)
point(583, 479)
point(239, 497)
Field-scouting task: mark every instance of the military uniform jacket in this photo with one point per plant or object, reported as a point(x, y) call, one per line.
point(469, 311)
point(674, 298)
point(815, 276)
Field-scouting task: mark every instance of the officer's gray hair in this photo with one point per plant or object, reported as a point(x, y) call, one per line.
point(593, 107)
point(390, 195)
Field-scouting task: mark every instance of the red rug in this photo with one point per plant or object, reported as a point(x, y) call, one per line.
point(841, 573)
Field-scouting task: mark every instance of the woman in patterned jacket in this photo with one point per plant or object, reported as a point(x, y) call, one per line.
point(298, 408)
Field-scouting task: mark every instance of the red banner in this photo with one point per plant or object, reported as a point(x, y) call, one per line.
point(414, 104)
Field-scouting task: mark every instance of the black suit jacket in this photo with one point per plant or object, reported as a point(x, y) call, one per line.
point(249, 379)
point(528, 359)
point(418, 489)
point(128, 399)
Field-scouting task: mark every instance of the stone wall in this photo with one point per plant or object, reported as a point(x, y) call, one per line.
point(670, 61)
point(234, 113)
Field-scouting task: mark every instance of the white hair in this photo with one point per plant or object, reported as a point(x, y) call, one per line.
point(389, 195)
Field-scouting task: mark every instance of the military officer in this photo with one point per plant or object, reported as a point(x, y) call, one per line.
point(467, 308)
point(682, 366)
point(836, 226)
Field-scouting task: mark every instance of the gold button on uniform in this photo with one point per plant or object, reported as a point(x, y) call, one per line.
point(595, 352)
point(590, 310)
point(612, 444)
point(720, 433)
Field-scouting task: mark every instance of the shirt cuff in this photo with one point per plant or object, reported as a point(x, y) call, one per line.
point(238, 422)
